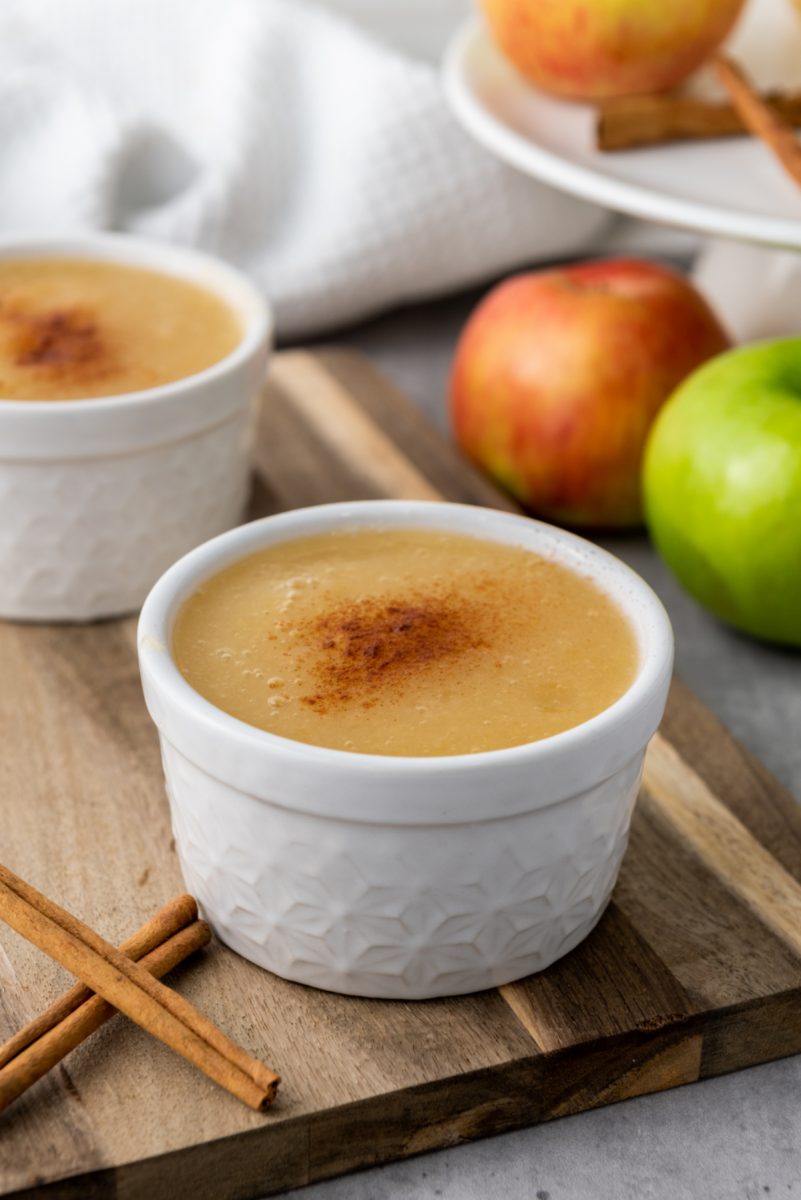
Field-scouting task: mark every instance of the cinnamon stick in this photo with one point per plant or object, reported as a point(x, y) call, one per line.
point(626, 122)
point(174, 916)
point(131, 989)
point(41, 1054)
point(759, 117)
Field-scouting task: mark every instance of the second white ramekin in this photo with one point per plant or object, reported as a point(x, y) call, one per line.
point(99, 496)
point(403, 878)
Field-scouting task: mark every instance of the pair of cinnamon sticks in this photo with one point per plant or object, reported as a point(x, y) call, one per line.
point(124, 980)
point(655, 119)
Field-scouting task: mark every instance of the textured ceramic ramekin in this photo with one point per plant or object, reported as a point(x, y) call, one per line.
point(99, 496)
point(401, 877)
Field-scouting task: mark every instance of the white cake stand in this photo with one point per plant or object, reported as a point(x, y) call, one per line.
point(731, 190)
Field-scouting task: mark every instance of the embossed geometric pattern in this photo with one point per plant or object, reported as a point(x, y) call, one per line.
point(81, 538)
point(405, 911)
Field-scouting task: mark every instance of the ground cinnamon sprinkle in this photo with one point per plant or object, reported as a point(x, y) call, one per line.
point(67, 340)
point(374, 643)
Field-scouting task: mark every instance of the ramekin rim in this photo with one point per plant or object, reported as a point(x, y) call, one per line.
point(255, 310)
point(177, 582)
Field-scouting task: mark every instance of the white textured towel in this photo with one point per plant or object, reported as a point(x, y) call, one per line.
point(280, 134)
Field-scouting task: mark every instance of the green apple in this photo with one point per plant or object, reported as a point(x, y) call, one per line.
point(722, 487)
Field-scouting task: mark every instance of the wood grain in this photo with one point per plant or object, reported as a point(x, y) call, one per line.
point(615, 985)
point(347, 433)
point(693, 970)
point(723, 843)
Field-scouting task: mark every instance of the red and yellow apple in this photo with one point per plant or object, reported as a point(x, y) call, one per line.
point(558, 375)
point(588, 49)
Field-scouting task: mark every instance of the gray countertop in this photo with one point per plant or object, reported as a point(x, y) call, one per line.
point(737, 1136)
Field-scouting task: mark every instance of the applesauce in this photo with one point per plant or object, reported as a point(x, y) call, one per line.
point(74, 328)
point(404, 642)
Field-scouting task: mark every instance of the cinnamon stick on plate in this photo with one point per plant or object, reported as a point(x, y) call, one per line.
point(759, 117)
point(165, 940)
point(130, 988)
point(626, 122)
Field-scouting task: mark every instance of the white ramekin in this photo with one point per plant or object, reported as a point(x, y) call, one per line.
point(401, 877)
point(99, 496)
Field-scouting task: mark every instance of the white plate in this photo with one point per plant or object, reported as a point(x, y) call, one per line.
point(731, 188)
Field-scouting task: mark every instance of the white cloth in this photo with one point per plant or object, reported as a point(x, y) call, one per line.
point(280, 134)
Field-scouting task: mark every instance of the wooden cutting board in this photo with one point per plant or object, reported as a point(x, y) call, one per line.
point(694, 970)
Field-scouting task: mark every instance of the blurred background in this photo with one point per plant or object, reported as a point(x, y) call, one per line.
point(308, 143)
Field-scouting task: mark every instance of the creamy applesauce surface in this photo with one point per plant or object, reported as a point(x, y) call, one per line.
point(78, 329)
point(404, 642)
